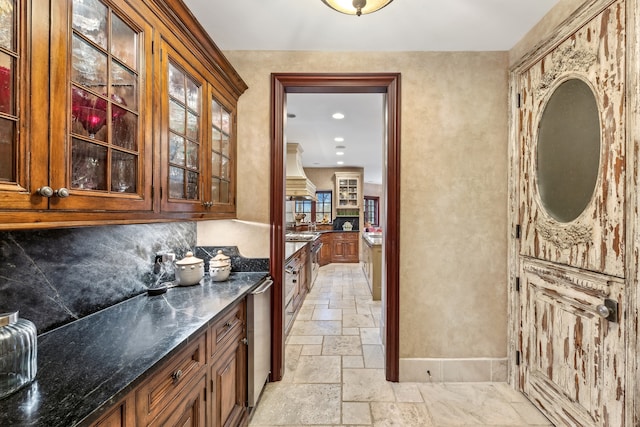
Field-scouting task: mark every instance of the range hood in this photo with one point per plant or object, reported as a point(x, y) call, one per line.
point(298, 185)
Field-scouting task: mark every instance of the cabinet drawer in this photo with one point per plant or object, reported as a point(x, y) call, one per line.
point(228, 326)
point(345, 236)
point(156, 393)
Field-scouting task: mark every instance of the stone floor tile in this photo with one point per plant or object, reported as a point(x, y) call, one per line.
point(400, 414)
point(305, 339)
point(366, 385)
point(298, 404)
point(352, 362)
point(357, 321)
point(327, 314)
point(356, 413)
point(311, 350)
point(316, 327)
point(346, 345)
point(318, 370)
point(350, 331)
point(407, 392)
point(373, 356)
point(370, 336)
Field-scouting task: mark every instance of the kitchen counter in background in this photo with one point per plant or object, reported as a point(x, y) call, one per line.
point(89, 364)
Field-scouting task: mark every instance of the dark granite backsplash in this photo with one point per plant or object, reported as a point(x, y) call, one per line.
point(56, 276)
point(238, 262)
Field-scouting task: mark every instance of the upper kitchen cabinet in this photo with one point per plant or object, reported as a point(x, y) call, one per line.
point(113, 111)
point(348, 192)
point(101, 93)
point(198, 138)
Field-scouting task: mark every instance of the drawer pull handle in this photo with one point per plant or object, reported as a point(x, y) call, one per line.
point(228, 324)
point(176, 375)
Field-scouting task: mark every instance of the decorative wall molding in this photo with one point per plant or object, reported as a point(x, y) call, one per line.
point(568, 59)
point(601, 287)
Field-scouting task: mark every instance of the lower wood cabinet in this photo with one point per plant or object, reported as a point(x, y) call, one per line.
point(204, 385)
point(340, 246)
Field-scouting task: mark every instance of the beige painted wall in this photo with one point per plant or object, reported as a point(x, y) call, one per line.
point(454, 191)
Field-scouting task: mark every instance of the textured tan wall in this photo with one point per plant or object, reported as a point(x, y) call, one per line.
point(543, 28)
point(454, 186)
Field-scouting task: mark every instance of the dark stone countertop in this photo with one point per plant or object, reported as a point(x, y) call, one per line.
point(90, 364)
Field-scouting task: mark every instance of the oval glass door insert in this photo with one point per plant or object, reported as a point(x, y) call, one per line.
point(568, 151)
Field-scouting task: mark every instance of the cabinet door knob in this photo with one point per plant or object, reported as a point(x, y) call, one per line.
point(62, 193)
point(176, 375)
point(45, 191)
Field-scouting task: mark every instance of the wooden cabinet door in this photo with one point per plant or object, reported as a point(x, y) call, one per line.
point(229, 386)
point(188, 410)
point(24, 104)
point(326, 249)
point(571, 256)
point(101, 126)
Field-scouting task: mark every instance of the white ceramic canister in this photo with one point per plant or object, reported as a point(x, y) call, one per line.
point(220, 267)
point(189, 270)
point(18, 353)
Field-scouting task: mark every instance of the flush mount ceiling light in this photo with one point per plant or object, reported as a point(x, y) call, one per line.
point(356, 7)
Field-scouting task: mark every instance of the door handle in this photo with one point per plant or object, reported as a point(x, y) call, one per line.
point(608, 310)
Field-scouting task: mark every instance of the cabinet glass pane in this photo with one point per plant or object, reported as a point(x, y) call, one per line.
point(176, 117)
point(193, 123)
point(176, 149)
point(176, 83)
point(192, 185)
point(193, 150)
point(193, 95)
point(225, 145)
point(124, 172)
point(7, 24)
point(89, 114)
point(224, 173)
point(216, 162)
point(215, 189)
point(226, 119)
point(124, 86)
point(125, 129)
point(124, 43)
point(7, 82)
point(176, 183)
point(216, 115)
point(89, 166)
point(216, 139)
point(224, 192)
point(7, 150)
point(88, 66)
point(90, 19)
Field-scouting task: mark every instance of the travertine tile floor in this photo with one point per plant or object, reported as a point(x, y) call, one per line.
point(335, 372)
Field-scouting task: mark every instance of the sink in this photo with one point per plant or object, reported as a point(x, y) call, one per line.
point(300, 237)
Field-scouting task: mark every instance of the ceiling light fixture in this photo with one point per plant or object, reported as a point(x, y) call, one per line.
point(356, 7)
point(340, 162)
point(338, 116)
point(339, 153)
point(338, 139)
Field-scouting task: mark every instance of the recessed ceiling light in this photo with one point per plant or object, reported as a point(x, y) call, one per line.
point(291, 115)
point(340, 147)
point(338, 139)
point(338, 116)
point(339, 153)
point(340, 162)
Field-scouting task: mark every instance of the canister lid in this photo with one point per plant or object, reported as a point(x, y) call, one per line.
point(189, 259)
point(8, 318)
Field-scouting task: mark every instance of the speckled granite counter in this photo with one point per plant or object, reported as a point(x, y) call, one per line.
point(87, 365)
point(290, 248)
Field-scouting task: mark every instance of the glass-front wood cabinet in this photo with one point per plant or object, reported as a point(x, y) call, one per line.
point(111, 111)
point(102, 59)
point(198, 139)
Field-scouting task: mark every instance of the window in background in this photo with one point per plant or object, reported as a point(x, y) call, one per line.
point(371, 205)
point(323, 205)
point(304, 207)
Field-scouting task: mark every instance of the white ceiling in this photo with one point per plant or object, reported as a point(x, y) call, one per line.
point(404, 25)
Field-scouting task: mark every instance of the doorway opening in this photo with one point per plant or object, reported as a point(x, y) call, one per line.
point(384, 83)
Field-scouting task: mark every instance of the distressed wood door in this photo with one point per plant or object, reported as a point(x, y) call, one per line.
point(571, 357)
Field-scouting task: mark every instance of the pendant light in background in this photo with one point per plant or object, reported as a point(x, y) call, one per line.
point(356, 7)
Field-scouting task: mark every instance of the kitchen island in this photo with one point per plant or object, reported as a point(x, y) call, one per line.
point(88, 366)
point(372, 262)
